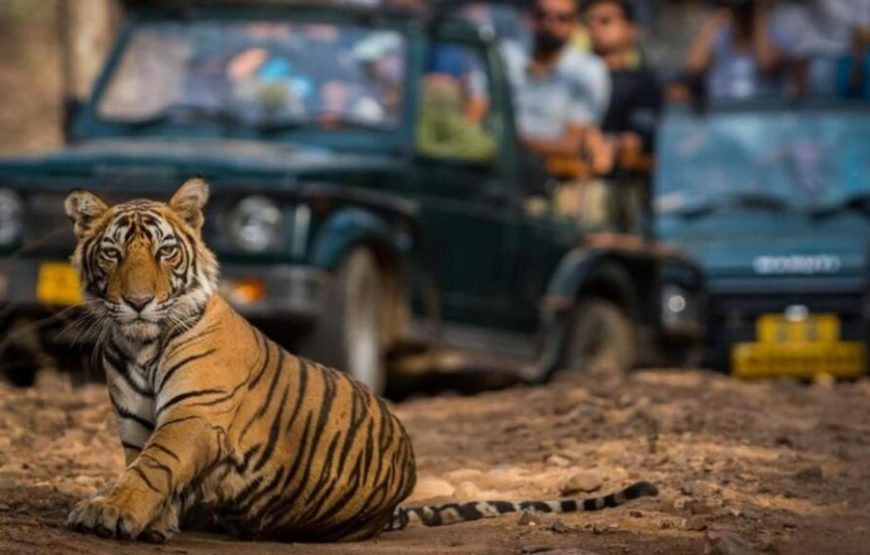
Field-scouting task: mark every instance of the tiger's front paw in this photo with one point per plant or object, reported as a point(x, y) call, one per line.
point(163, 527)
point(99, 516)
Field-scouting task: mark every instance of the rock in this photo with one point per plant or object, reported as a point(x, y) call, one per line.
point(529, 518)
point(727, 542)
point(698, 507)
point(4, 507)
point(428, 488)
point(696, 524)
point(687, 488)
point(83, 480)
point(810, 474)
point(635, 514)
point(750, 513)
point(784, 441)
point(467, 491)
point(559, 527)
point(582, 482)
point(558, 460)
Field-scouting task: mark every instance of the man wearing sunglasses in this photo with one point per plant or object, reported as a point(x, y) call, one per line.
point(561, 92)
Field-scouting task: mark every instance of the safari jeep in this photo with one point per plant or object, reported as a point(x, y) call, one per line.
point(370, 204)
point(774, 200)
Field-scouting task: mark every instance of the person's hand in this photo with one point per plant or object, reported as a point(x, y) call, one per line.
point(601, 150)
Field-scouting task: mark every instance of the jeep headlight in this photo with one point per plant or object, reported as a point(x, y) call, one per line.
point(11, 217)
point(255, 224)
point(678, 307)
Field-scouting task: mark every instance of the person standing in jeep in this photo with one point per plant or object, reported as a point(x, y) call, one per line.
point(561, 92)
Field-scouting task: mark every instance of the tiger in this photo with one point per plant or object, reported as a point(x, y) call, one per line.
point(216, 419)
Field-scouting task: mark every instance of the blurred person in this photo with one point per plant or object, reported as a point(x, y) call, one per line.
point(582, 39)
point(561, 93)
point(635, 106)
point(457, 63)
point(444, 130)
point(636, 97)
point(739, 53)
point(829, 40)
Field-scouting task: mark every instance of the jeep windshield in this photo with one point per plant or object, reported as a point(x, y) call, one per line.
point(809, 158)
point(267, 76)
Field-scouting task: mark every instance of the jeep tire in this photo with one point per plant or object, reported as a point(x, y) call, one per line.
point(348, 338)
point(600, 338)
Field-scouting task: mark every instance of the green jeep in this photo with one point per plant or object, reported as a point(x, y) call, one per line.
point(371, 206)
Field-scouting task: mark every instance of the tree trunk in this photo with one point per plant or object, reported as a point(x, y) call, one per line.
point(87, 28)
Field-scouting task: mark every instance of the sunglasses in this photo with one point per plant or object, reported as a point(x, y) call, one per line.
point(558, 17)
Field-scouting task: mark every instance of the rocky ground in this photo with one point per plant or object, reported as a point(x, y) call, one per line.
point(770, 467)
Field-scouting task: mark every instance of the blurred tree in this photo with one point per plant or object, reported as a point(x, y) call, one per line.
point(87, 29)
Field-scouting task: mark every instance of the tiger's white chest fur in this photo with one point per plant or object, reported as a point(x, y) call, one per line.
point(130, 380)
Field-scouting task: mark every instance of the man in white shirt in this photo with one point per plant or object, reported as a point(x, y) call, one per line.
point(561, 93)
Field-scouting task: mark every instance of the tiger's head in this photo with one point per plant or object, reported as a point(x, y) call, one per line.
point(143, 264)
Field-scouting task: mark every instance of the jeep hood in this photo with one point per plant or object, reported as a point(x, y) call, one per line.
point(748, 245)
point(173, 160)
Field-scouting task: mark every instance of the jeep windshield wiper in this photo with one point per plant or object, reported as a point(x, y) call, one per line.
point(188, 114)
point(740, 199)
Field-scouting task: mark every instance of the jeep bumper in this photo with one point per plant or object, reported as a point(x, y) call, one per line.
point(297, 294)
point(289, 293)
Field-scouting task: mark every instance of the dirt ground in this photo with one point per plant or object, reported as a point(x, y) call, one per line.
point(770, 467)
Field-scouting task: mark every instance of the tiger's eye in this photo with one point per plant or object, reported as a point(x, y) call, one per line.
point(110, 254)
point(167, 251)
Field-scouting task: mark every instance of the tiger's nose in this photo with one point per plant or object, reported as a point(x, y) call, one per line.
point(138, 302)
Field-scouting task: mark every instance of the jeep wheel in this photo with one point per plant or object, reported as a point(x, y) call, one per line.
point(600, 338)
point(349, 336)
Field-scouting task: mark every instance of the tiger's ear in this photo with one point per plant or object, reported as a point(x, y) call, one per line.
point(189, 200)
point(84, 208)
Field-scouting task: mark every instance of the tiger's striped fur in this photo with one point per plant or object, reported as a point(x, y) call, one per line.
point(214, 415)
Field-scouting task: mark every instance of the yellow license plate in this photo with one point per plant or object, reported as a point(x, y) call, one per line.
point(799, 348)
point(57, 284)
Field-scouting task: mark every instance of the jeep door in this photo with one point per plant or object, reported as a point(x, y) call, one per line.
point(464, 192)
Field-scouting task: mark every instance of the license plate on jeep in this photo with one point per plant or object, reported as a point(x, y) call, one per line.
point(57, 284)
point(799, 348)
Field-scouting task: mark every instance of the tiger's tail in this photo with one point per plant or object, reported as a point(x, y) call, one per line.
point(452, 513)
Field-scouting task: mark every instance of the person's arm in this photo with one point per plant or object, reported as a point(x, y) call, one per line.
point(568, 144)
point(700, 56)
point(767, 54)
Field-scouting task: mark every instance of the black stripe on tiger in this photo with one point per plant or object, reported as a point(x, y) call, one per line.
point(451, 513)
